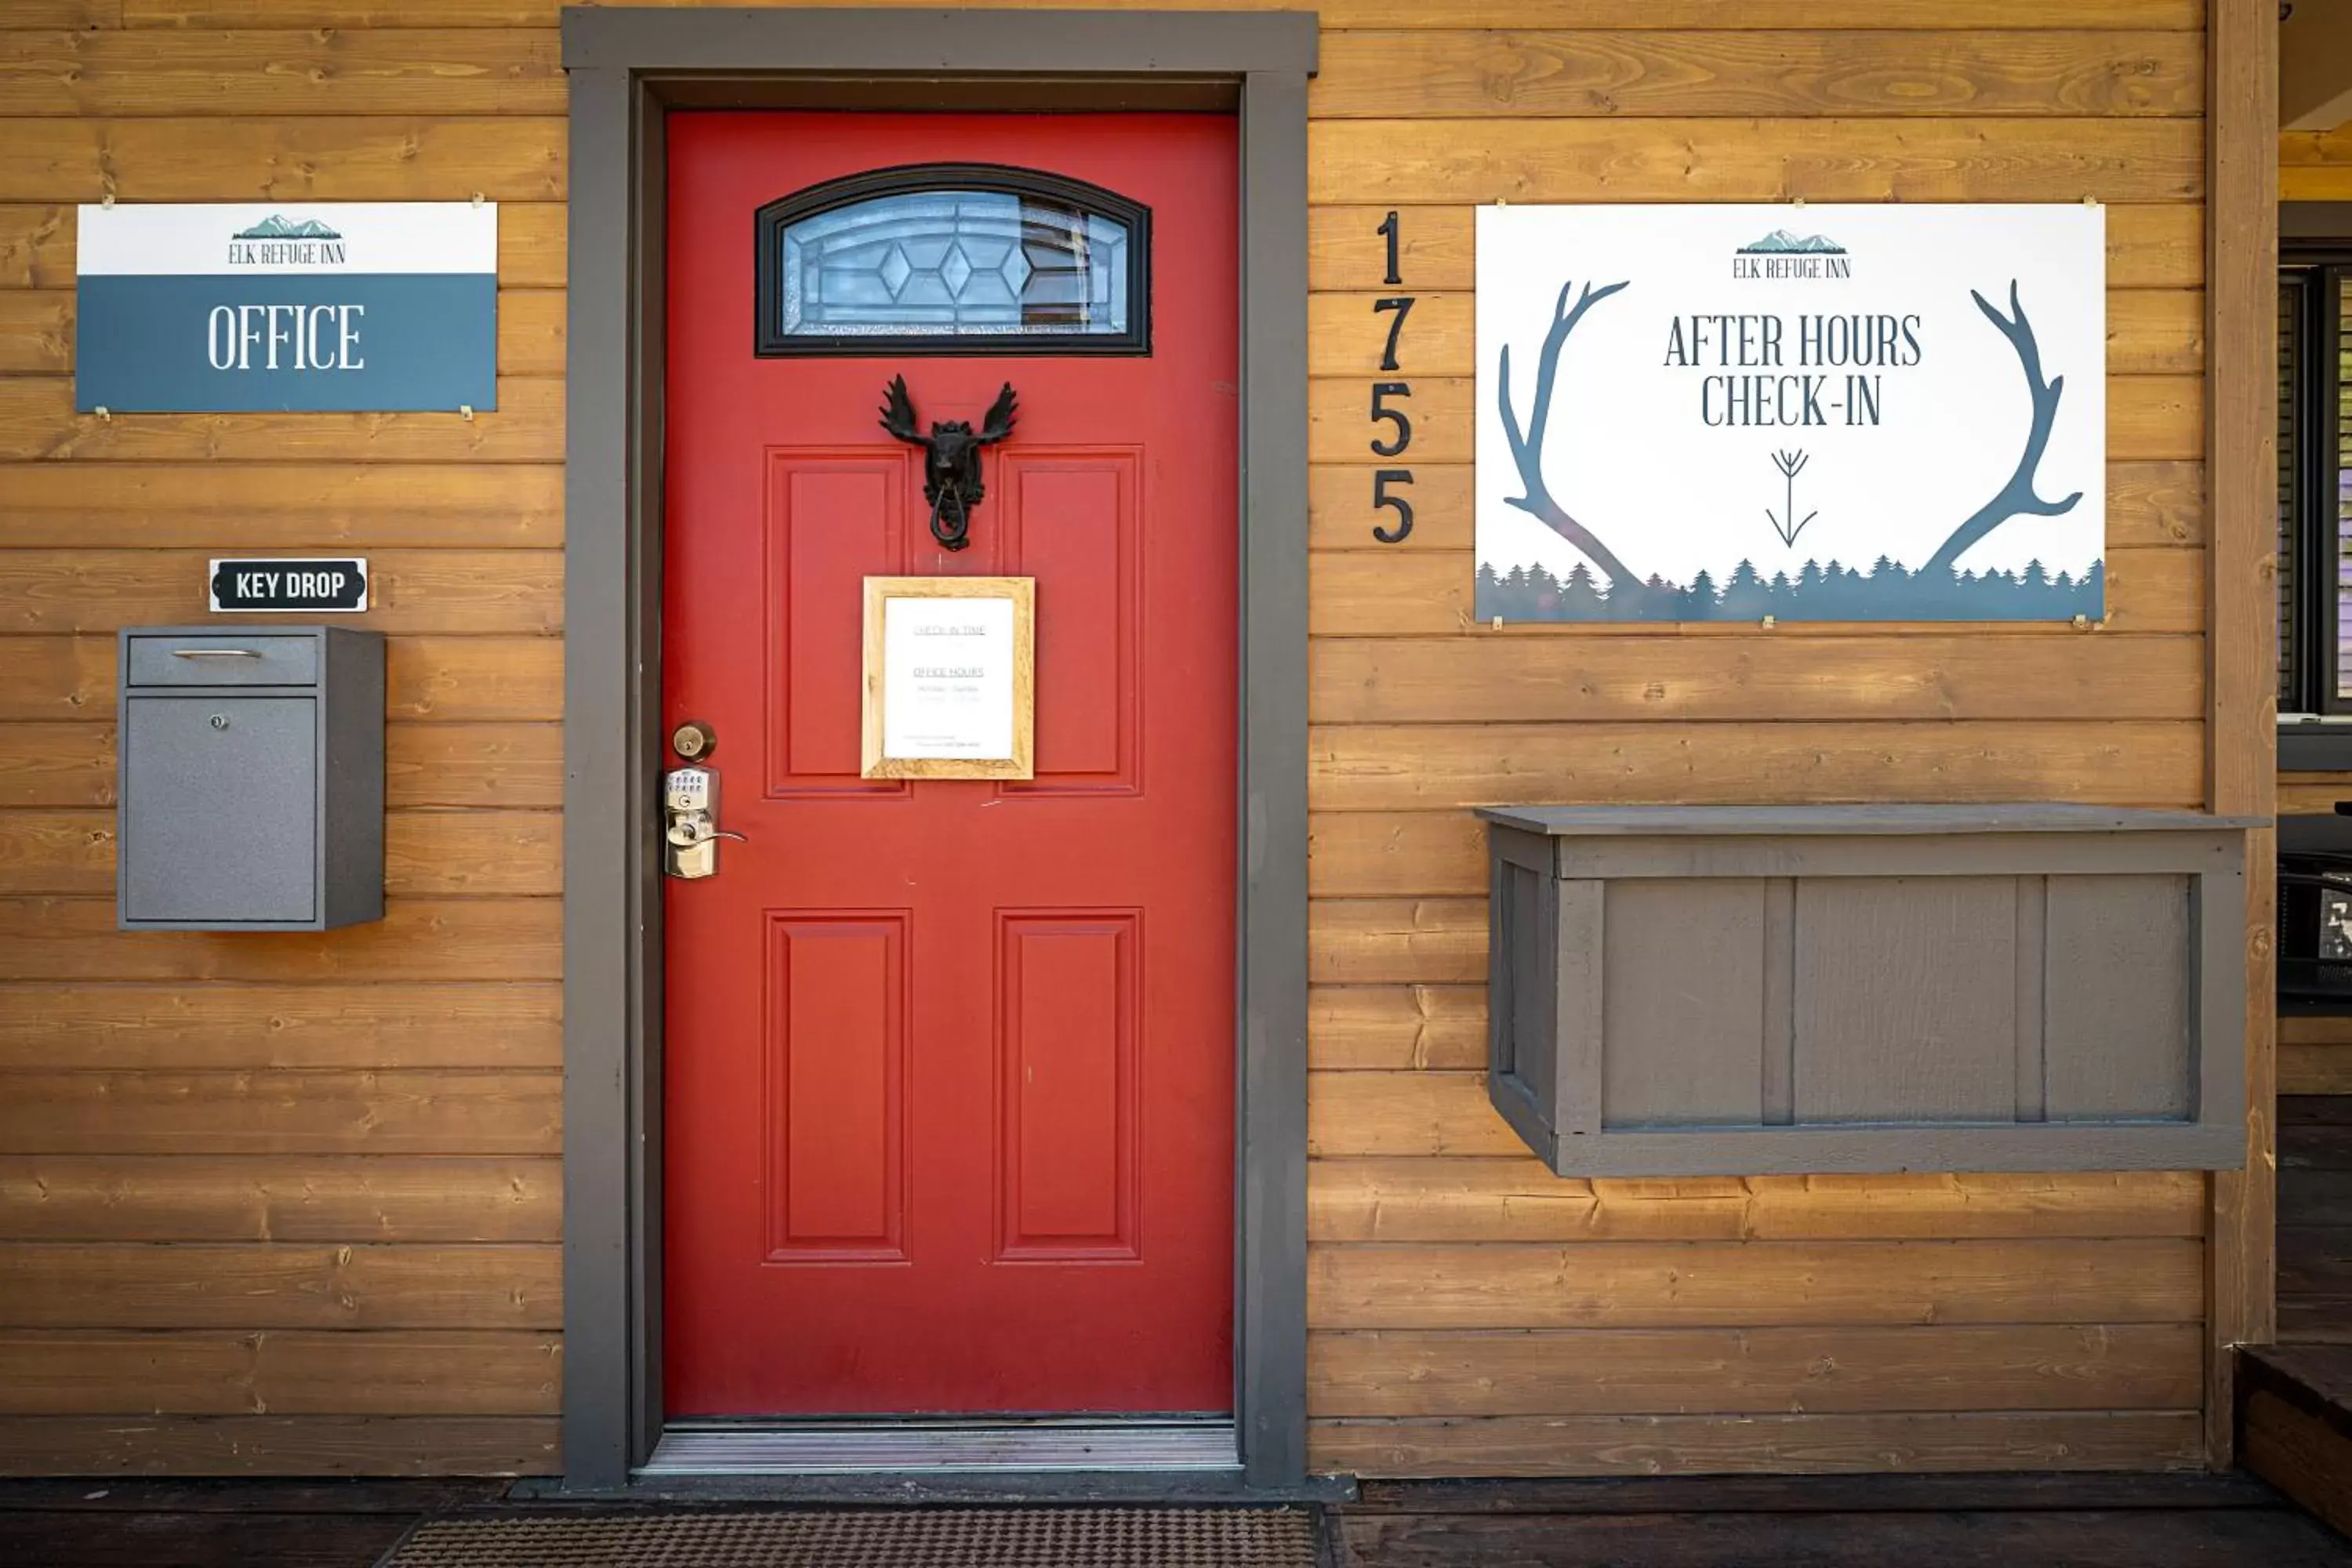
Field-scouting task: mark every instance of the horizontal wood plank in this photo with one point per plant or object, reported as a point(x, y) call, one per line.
point(2315, 1069)
point(2315, 165)
point(282, 1446)
point(1387, 1028)
point(2150, 331)
point(1395, 942)
point(329, 72)
point(37, 332)
point(1364, 162)
point(283, 508)
point(397, 1373)
point(37, 245)
point(2314, 1029)
point(1519, 1200)
point(1400, 1113)
point(1382, 75)
point(1349, 855)
point(2122, 15)
point(1428, 767)
point(425, 764)
point(38, 421)
point(1784, 674)
point(418, 939)
point(511, 1025)
point(1703, 1284)
point(1759, 1445)
point(312, 1111)
point(336, 1199)
point(1603, 1372)
point(30, 14)
point(2149, 417)
point(388, 158)
point(60, 1285)
point(2149, 504)
point(2311, 795)
point(466, 591)
point(426, 853)
point(2150, 246)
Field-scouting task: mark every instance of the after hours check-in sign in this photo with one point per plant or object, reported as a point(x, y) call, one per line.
point(1847, 413)
point(324, 306)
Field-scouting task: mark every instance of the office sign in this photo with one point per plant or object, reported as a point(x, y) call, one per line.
point(319, 306)
point(332, 586)
point(1855, 413)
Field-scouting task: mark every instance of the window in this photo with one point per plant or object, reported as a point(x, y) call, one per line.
point(953, 258)
point(2315, 556)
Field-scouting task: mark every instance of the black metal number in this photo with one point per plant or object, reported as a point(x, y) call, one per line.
point(1393, 447)
point(1402, 307)
point(1381, 480)
point(1397, 310)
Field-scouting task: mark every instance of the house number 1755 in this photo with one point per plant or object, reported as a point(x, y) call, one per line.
point(1386, 394)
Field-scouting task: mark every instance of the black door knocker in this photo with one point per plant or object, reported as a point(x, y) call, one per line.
point(951, 461)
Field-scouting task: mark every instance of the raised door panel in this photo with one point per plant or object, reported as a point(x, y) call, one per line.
point(833, 519)
point(1067, 1081)
point(1073, 524)
point(836, 1092)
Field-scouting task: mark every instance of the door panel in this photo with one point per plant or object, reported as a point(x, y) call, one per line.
point(836, 1087)
point(948, 1064)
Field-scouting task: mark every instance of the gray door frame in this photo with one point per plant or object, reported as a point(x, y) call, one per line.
point(628, 68)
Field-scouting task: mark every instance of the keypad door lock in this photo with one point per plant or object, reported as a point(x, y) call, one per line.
point(690, 832)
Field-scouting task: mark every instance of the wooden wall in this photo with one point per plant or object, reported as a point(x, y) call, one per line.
point(2315, 1054)
point(349, 1141)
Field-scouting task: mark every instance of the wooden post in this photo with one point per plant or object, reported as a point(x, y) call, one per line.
point(2242, 740)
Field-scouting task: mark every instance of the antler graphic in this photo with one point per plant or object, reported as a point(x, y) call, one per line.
point(1527, 450)
point(898, 411)
point(2016, 498)
point(1790, 465)
point(997, 424)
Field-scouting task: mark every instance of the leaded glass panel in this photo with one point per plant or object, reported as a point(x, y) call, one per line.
point(951, 263)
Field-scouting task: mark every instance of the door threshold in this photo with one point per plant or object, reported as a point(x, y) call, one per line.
point(941, 1447)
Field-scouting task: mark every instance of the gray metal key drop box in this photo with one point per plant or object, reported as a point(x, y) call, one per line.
point(251, 778)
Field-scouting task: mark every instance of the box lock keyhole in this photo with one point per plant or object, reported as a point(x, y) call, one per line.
point(220, 720)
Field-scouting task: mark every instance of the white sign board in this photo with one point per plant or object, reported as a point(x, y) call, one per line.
point(1850, 413)
point(949, 677)
point(238, 307)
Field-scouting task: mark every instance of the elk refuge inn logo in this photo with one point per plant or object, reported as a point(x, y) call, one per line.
point(1780, 254)
point(276, 242)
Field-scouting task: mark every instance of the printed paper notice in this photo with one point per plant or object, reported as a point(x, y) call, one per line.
point(947, 679)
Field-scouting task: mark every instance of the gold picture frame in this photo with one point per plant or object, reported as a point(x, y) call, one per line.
point(977, 710)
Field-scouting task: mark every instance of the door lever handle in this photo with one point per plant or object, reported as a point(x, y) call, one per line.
point(684, 834)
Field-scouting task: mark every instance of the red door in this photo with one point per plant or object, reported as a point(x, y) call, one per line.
point(949, 1063)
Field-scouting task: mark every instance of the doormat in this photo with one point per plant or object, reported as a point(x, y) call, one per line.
point(871, 1537)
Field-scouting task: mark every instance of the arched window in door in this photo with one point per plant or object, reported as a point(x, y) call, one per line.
point(954, 258)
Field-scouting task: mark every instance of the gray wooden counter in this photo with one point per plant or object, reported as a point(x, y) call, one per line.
point(1756, 990)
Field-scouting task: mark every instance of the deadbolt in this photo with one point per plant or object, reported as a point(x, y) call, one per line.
point(693, 739)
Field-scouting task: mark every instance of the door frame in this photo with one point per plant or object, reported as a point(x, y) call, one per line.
point(628, 67)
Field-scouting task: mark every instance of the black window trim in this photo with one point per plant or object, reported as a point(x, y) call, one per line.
point(2312, 735)
point(769, 341)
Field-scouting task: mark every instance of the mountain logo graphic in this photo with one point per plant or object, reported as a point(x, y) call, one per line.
point(1781, 242)
point(276, 227)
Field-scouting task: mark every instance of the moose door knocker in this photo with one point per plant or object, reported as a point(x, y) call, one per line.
point(951, 457)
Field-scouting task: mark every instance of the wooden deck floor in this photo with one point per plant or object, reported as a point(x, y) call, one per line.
point(1998, 1521)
